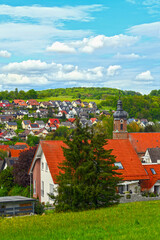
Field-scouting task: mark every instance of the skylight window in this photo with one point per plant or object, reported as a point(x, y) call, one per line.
point(153, 171)
point(118, 164)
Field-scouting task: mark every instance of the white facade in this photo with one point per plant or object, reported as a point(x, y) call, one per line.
point(47, 184)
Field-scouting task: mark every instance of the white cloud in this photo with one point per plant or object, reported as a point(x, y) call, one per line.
point(127, 56)
point(144, 76)
point(20, 80)
point(147, 29)
point(89, 45)
point(5, 54)
point(61, 48)
point(80, 13)
point(113, 70)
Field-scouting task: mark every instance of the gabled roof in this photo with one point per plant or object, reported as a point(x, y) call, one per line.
point(142, 141)
point(124, 152)
point(54, 155)
point(54, 120)
point(133, 169)
point(153, 178)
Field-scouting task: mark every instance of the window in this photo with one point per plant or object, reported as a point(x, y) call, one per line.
point(51, 188)
point(146, 171)
point(121, 126)
point(118, 164)
point(153, 171)
point(42, 166)
point(46, 167)
point(34, 187)
point(42, 189)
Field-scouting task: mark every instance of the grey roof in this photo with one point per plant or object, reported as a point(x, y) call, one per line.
point(26, 122)
point(12, 123)
point(120, 113)
point(11, 161)
point(154, 154)
point(10, 199)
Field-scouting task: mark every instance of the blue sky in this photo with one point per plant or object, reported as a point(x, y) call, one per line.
point(55, 44)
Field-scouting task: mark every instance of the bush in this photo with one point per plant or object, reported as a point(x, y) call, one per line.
point(39, 207)
point(16, 191)
point(3, 192)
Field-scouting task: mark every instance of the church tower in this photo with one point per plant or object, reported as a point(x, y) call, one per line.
point(120, 122)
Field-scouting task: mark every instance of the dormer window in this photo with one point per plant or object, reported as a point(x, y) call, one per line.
point(153, 171)
point(118, 164)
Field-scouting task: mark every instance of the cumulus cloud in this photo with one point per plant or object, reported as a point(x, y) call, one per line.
point(61, 48)
point(89, 45)
point(5, 54)
point(144, 76)
point(113, 70)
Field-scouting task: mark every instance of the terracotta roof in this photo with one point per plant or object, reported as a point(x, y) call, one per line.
point(142, 141)
point(33, 102)
point(54, 155)
point(153, 178)
point(54, 120)
point(122, 149)
point(17, 149)
point(124, 152)
point(72, 120)
point(93, 119)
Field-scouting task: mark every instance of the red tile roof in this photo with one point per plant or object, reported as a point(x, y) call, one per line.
point(142, 141)
point(72, 120)
point(133, 169)
point(54, 155)
point(124, 152)
point(54, 120)
point(153, 178)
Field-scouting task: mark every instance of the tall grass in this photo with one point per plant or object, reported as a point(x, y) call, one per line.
point(130, 221)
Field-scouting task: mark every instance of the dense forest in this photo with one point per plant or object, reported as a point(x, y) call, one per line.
point(136, 104)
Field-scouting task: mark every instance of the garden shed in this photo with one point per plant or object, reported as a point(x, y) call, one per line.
point(16, 205)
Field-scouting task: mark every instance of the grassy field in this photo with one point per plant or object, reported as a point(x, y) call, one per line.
point(69, 98)
point(130, 221)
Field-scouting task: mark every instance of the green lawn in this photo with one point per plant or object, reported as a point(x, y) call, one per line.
point(130, 221)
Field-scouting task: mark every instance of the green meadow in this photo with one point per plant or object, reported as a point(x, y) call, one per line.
point(69, 98)
point(140, 220)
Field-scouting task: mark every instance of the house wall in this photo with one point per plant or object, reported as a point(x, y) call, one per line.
point(47, 179)
point(37, 177)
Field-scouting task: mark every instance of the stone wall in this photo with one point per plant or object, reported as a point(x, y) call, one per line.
point(136, 198)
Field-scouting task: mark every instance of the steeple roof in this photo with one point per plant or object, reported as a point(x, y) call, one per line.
point(120, 113)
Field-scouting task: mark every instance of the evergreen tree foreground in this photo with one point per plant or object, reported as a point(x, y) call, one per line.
point(88, 177)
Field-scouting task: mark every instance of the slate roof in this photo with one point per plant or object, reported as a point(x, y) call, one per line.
point(153, 178)
point(142, 141)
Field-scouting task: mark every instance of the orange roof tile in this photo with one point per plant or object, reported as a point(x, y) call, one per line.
point(153, 178)
point(124, 152)
point(54, 155)
point(122, 149)
point(142, 141)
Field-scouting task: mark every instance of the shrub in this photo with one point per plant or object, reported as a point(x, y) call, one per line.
point(39, 207)
point(3, 192)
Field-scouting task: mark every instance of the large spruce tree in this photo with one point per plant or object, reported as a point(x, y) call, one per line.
point(87, 179)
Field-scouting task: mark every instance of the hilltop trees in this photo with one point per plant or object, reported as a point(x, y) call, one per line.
point(88, 178)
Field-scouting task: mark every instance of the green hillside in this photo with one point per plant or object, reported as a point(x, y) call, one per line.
point(136, 221)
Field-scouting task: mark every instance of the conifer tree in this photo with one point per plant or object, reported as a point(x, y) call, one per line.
point(87, 179)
